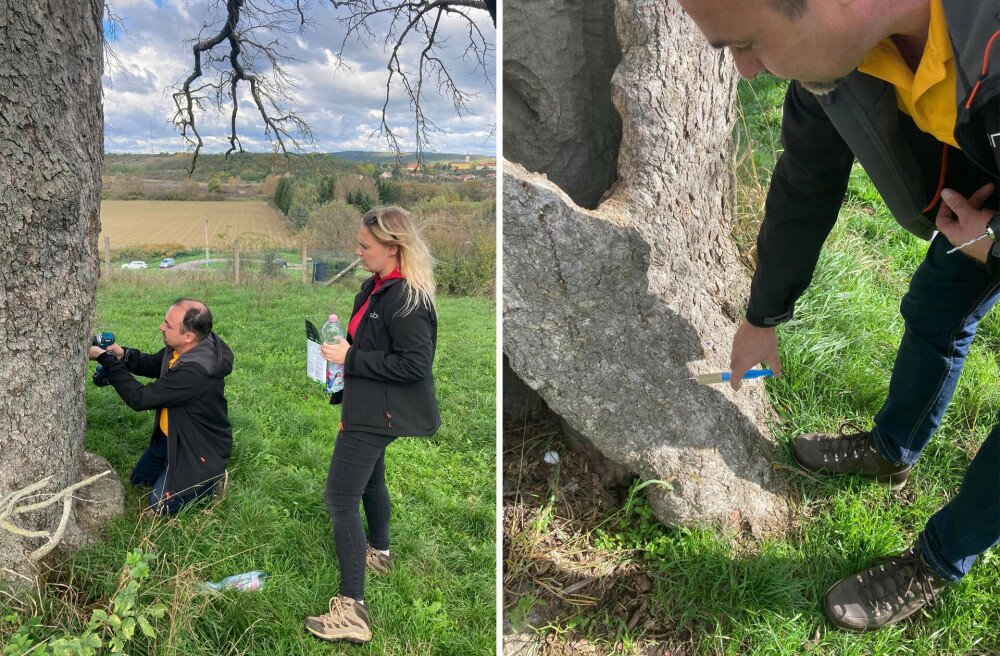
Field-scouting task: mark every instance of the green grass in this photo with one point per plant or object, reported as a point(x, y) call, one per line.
point(837, 357)
point(439, 600)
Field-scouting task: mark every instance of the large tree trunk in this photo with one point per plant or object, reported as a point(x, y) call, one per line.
point(51, 147)
point(556, 93)
point(606, 312)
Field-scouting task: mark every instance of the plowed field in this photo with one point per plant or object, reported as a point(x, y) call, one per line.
point(143, 222)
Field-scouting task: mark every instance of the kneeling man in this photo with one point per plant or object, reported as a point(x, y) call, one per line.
point(192, 437)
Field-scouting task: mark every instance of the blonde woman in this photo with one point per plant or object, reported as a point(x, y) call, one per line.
point(388, 392)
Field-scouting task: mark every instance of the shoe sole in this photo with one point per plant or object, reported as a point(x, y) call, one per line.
point(883, 479)
point(350, 639)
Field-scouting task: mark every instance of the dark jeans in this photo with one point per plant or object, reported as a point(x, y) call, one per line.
point(357, 474)
point(152, 470)
point(948, 296)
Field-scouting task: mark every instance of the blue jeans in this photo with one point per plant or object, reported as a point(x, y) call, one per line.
point(152, 470)
point(948, 297)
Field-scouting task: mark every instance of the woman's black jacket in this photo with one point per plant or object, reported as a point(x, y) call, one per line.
point(388, 384)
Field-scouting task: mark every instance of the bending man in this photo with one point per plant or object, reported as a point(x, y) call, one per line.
point(911, 89)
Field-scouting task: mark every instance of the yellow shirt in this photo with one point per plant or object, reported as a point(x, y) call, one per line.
point(927, 96)
point(163, 411)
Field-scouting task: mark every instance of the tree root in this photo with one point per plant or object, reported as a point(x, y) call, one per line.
point(9, 510)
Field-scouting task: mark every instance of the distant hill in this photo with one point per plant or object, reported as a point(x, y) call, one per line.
point(407, 158)
point(255, 167)
point(246, 166)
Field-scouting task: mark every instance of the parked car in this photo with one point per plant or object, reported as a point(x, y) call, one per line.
point(135, 264)
point(279, 262)
point(166, 262)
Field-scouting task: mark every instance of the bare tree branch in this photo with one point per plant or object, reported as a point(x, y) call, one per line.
point(115, 28)
point(421, 20)
point(241, 63)
point(233, 58)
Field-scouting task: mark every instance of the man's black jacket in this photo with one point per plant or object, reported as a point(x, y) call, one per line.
point(822, 136)
point(200, 438)
point(388, 382)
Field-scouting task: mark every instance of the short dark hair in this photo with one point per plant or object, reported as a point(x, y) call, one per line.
point(197, 317)
point(791, 8)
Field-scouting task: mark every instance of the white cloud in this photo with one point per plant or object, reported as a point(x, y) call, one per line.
point(119, 5)
point(342, 101)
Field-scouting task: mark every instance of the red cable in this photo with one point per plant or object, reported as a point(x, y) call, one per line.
point(944, 167)
point(968, 104)
point(986, 60)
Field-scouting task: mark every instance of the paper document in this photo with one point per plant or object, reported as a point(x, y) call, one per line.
point(315, 364)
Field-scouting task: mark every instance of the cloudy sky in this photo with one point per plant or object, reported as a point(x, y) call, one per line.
point(341, 99)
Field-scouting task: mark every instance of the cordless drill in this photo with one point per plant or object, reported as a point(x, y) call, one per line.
point(104, 340)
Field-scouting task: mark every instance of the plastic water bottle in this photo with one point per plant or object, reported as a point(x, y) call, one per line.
point(245, 582)
point(332, 333)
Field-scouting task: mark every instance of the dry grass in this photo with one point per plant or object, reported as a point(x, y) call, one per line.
point(554, 574)
point(754, 152)
point(141, 222)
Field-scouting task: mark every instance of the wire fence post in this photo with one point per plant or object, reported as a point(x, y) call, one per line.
point(305, 264)
point(236, 260)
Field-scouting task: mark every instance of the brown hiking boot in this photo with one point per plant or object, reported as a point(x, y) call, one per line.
point(885, 593)
point(347, 621)
point(847, 453)
point(378, 562)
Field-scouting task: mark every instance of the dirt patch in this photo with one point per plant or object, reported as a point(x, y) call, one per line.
point(559, 585)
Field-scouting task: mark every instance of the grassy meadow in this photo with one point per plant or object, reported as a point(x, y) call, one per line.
point(441, 597)
point(693, 591)
point(141, 222)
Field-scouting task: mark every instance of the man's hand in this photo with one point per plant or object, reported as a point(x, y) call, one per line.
point(336, 353)
point(95, 352)
point(962, 220)
point(751, 346)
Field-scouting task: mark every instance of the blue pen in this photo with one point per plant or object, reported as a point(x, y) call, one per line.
point(723, 376)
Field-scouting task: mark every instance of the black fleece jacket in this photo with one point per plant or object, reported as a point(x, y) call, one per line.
point(200, 438)
point(388, 378)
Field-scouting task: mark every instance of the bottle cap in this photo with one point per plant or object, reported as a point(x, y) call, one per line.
point(333, 318)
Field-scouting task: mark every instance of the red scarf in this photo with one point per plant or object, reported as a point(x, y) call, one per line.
point(356, 319)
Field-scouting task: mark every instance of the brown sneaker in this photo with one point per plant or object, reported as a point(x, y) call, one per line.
point(347, 621)
point(378, 562)
point(885, 593)
point(847, 453)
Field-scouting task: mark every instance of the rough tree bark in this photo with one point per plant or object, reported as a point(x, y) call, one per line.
point(561, 116)
point(51, 148)
point(606, 312)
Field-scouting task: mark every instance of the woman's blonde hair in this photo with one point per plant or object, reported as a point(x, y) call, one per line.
point(394, 226)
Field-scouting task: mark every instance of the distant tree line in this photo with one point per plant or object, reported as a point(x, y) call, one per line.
point(298, 196)
point(249, 167)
